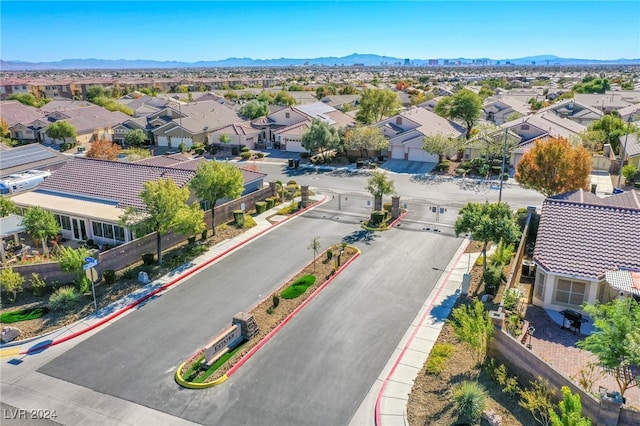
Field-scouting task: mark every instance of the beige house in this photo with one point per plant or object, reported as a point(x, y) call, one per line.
point(581, 237)
point(406, 132)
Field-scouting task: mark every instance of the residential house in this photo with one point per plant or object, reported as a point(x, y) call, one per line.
point(189, 123)
point(240, 134)
point(607, 102)
point(89, 196)
point(540, 126)
point(340, 101)
point(407, 129)
point(500, 110)
point(631, 147)
point(581, 237)
point(91, 123)
point(575, 111)
point(24, 122)
point(29, 157)
point(630, 113)
point(13, 86)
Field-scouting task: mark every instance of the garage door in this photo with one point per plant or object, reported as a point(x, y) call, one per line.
point(397, 152)
point(418, 154)
point(162, 141)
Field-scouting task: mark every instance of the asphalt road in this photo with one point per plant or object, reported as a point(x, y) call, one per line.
point(317, 370)
point(448, 193)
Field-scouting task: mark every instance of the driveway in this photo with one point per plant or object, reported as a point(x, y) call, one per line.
point(409, 167)
point(317, 370)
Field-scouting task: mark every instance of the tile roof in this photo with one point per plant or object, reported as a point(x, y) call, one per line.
point(13, 112)
point(585, 237)
point(632, 145)
point(110, 180)
point(628, 281)
point(431, 123)
point(87, 119)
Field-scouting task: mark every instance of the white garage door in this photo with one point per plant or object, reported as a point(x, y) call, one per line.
point(397, 153)
point(418, 154)
point(294, 146)
point(162, 141)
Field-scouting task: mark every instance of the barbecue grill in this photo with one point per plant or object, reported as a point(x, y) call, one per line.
point(572, 320)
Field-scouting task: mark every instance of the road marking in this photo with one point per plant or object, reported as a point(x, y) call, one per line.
point(9, 352)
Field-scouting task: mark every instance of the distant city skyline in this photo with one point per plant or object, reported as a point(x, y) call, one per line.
point(203, 30)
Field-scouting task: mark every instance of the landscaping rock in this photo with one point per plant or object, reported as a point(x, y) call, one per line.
point(493, 418)
point(9, 334)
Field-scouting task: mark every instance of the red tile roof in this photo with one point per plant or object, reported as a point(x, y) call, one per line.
point(584, 236)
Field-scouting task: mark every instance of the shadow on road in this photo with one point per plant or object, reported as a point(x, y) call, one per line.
point(360, 236)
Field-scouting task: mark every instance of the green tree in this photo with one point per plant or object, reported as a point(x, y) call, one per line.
point(315, 246)
point(61, 130)
point(630, 173)
point(11, 282)
point(379, 185)
point(473, 326)
point(254, 109)
point(613, 127)
point(538, 399)
point(135, 137)
point(491, 140)
point(375, 104)
point(321, 137)
point(464, 106)
point(365, 138)
point(7, 207)
point(617, 326)
point(348, 90)
point(166, 209)
point(570, 411)
point(591, 84)
point(441, 145)
point(29, 99)
point(72, 260)
point(487, 223)
point(593, 140)
point(266, 97)
point(41, 225)
point(97, 91)
point(284, 98)
point(214, 181)
point(554, 166)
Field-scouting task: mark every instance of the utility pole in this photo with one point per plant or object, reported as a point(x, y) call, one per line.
point(504, 159)
point(624, 150)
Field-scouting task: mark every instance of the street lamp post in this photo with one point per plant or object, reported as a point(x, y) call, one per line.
point(624, 150)
point(504, 160)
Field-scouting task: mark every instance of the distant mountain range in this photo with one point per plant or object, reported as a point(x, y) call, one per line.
point(350, 60)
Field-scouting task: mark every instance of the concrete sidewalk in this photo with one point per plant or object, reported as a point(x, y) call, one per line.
point(216, 252)
point(603, 183)
point(386, 402)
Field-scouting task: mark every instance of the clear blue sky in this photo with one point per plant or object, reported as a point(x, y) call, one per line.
point(207, 30)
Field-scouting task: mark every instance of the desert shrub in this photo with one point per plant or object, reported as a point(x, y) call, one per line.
point(509, 383)
point(538, 399)
point(64, 298)
point(438, 357)
point(386, 207)
point(261, 207)
point(630, 173)
point(377, 217)
point(292, 182)
point(443, 166)
point(259, 154)
point(38, 285)
point(275, 300)
point(461, 172)
point(472, 326)
point(245, 149)
point(11, 282)
point(148, 258)
point(505, 176)
point(470, 399)
point(477, 164)
point(493, 277)
point(109, 276)
point(270, 202)
point(503, 253)
point(245, 155)
point(466, 165)
point(510, 299)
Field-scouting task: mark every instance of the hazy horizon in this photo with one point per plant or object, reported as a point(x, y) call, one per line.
point(208, 31)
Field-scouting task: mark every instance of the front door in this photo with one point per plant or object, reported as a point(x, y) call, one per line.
point(79, 229)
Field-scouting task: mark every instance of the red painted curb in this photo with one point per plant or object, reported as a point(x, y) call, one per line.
point(277, 328)
point(36, 348)
point(413, 334)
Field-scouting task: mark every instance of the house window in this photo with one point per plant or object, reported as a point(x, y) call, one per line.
point(97, 229)
point(64, 221)
point(286, 115)
point(467, 154)
point(540, 279)
point(118, 233)
point(569, 292)
point(398, 120)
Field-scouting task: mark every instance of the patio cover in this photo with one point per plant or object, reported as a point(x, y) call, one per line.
point(624, 280)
